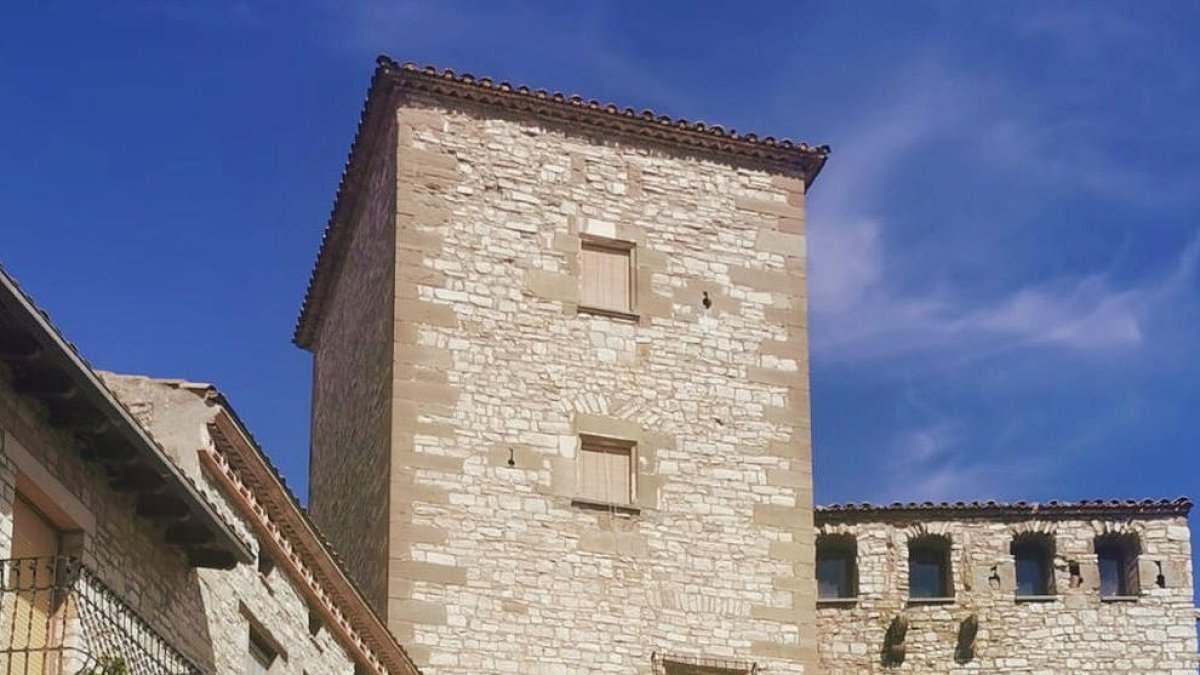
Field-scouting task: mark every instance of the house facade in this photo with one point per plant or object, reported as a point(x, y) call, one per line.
point(560, 387)
point(560, 422)
point(1087, 587)
point(143, 534)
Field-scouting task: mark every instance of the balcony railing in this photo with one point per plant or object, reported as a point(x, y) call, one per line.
point(58, 618)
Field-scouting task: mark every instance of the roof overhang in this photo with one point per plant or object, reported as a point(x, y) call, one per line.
point(992, 510)
point(391, 81)
point(252, 484)
point(45, 367)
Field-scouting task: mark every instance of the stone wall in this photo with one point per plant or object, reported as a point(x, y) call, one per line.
point(492, 567)
point(1073, 631)
point(352, 358)
point(126, 551)
point(236, 599)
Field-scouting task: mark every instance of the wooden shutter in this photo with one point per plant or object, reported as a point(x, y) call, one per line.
point(605, 278)
point(33, 535)
point(605, 473)
point(1129, 573)
point(29, 611)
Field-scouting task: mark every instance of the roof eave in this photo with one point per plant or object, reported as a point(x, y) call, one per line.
point(389, 76)
point(1089, 509)
point(134, 462)
point(242, 451)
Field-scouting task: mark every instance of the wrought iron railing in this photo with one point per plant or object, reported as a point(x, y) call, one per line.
point(58, 618)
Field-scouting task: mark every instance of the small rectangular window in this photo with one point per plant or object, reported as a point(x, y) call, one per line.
point(690, 665)
point(265, 563)
point(1118, 560)
point(606, 471)
point(606, 280)
point(836, 568)
point(1033, 560)
point(261, 654)
point(929, 569)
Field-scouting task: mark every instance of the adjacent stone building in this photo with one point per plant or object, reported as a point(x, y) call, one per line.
point(560, 422)
point(1089, 587)
point(560, 383)
point(560, 425)
point(155, 537)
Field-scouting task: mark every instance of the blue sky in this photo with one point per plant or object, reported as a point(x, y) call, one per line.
point(1004, 245)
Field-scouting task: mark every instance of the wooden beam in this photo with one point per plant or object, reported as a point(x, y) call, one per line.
point(19, 346)
point(108, 449)
point(139, 478)
point(46, 387)
point(211, 558)
point(86, 420)
point(188, 533)
point(162, 507)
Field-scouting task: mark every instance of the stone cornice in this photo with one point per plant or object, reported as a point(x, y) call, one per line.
point(255, 489)
point(392, 79)
point(792, 157)
point(1086, 509)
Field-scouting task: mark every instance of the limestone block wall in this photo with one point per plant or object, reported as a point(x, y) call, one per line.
point(497, 373)
point(1072, 632)
point(351, 411)
point(233, 600)
point(127, 552)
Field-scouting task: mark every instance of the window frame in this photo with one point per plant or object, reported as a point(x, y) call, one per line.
point(1040, 549)
point(261, 651)
point(1126, 549)
point(935, 549)
point(844, 547)
point(595, 443)
point(606, 244)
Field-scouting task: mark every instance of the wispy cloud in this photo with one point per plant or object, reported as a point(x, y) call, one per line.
point(929, 463)
point(865, 306)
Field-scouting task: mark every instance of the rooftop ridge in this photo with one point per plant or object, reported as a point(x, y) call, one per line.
point(1081, 508)
point(590, 115)
point(577, 101)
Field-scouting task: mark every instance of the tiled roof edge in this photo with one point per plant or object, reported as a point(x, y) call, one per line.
point(334, 239)
point(390, 75)
point(645, 123)
point(311, 541)
point(186, 489)
point(984, 509)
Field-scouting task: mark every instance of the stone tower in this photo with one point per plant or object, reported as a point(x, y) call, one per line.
point(560, 383)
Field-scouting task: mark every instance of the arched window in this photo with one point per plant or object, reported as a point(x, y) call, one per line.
point(1117, 555)
point(837, 567)
point(929, 570)
point(1033, 555)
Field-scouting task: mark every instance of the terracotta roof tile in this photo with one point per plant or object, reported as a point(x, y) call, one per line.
point(577, 101)
point(985, 509)
point(202, 509)
point(555, 107)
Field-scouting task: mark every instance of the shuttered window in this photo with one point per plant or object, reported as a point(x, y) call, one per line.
point(606, 276)
point(28, 606)
point(606, 471)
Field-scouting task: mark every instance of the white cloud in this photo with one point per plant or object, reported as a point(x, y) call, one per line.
point(863, 305)
point(1083, 314)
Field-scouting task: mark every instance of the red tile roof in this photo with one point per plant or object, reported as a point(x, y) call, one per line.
point(1096, 508)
